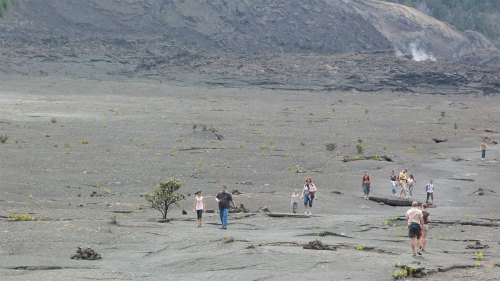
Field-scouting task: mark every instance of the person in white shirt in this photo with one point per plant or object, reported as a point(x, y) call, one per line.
point(199, 206)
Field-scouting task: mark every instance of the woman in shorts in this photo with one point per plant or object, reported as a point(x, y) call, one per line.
point(308, 193)
point(199, 206)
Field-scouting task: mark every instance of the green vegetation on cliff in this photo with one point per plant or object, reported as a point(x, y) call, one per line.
point(479, 15)
point(3, 7)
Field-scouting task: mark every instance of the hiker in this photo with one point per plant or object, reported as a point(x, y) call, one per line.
point(366, 183)
point(402, 183)
point(415, 221)
point(411, 182)
point(224, 198)
point(429, 189)
point(483, 149)
point(295, 200)
point(199, 206)
point(308, 193)
point(427, 219)
point(394, 183)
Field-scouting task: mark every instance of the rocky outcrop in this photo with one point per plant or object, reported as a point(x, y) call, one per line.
point(242, 27)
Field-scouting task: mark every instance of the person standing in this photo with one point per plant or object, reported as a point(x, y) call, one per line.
point(411, 182)
point(427, 219)
point(366, 183)
point(308, 193)
point(415, 221)
point(394, 183)
point(295, 200)
point(402, 182)
point(483, 149)
point(429, 189)
point(224, 199)
point(199, 206)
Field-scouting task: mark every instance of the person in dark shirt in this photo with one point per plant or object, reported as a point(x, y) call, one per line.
point(224, 199)
point(427, 219)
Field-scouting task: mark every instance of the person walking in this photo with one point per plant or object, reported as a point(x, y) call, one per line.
point(483, 149)
point(429, 189)
point(427, 219)
point(199, 206)
point(295, 200)
point(415, 221)
point(224, 199)
point(402, 183)
point(394, 183)
point(366, 183)
point(308, 193)
point(410, 183)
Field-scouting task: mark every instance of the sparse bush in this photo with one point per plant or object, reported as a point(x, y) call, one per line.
point(165, 195)
point(330, 146)
point(359, 147)
point(442, 114)
point(84, 141)
point(361, 248)
point(479, 256)
point(21, 217)
point(53, 120)
point(3, 138)
point(114, 219)
point(103, 189)
point(271, 141)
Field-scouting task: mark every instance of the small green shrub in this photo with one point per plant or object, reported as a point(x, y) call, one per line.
point(165, 195)
point(330, 146)
point(20, 217)
point(104, 189)
point(479, 256)
point(114, 219)
point(3, 138)
point(359, 147)
point(361, 248)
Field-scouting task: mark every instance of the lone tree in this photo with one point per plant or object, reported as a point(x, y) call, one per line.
point(165, 195)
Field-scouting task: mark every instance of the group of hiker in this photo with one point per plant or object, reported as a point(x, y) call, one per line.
point(402, 186)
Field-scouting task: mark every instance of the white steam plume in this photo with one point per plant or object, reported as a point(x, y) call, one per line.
point(420, 55)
